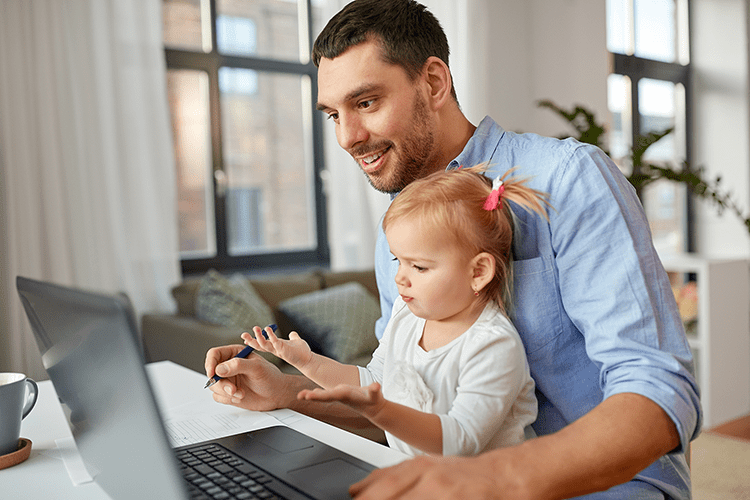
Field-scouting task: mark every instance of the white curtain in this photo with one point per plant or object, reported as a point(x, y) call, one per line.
point(355, 208)
point(87, 187)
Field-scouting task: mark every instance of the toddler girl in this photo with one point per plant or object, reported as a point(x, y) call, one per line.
point(450, 375)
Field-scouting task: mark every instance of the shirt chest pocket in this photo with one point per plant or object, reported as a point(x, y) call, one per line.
point(537, 308)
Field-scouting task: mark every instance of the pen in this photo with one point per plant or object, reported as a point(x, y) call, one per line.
point(242, 354)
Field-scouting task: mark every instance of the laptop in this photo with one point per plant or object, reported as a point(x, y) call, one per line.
point(89, 346)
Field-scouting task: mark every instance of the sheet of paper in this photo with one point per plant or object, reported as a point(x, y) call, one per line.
point(191, 427)
point(286, 417)
point(189, 411)
point(200, 418)
point(77, 470)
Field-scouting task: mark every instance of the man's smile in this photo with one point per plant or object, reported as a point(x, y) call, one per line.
point(371, 162)
point(372, 158)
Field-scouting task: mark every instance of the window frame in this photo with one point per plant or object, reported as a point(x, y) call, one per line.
point(210, 63)
point(636, 68)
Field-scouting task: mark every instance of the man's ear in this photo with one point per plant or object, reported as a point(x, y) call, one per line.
point(439, 81)
point(483, 268)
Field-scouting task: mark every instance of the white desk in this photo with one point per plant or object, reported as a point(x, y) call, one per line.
point(44, 475)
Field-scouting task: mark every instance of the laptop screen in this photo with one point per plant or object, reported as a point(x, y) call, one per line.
point(89, 348)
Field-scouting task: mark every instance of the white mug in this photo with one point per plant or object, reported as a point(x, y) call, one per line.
point(15, 403)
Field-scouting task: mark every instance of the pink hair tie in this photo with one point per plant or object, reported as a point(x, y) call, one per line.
point(493, 200)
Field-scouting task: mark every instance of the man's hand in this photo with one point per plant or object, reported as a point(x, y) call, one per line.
point(434, 478)
point(255, 384)
point(252, 383)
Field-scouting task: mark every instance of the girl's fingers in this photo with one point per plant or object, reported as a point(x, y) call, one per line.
point(259, 340)
point(249, 340)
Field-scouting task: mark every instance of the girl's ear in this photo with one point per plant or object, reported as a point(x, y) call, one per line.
point(439, 81)
point(483, 267)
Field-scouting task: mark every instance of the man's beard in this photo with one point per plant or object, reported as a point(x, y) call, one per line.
point(413, 154)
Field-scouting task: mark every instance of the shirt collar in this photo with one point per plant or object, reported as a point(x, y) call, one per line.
point(482, 145)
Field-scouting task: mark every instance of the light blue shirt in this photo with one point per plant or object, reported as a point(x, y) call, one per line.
point(593, 304)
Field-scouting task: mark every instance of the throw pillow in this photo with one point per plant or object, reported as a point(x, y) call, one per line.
point(231, 302)
point(340, 320)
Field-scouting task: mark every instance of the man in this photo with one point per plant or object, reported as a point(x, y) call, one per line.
point(618, 402)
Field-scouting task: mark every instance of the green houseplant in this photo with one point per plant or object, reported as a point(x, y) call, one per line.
point(643, 173)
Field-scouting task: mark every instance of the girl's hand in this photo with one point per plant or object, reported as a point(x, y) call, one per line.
point(368, 401)
point(294, 351)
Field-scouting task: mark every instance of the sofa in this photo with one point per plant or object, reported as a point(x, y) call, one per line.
point(334, 311)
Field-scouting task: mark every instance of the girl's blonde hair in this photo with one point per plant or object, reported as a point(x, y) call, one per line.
point(453, 202)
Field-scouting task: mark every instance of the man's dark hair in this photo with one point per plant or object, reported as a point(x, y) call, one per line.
point(407, 32)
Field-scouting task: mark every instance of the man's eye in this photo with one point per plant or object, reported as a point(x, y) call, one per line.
point(333, 116)
point(366, 104)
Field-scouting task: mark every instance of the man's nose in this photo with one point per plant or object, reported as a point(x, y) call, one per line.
point(350, 131)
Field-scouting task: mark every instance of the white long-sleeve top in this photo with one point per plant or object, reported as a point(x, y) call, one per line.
point(479, 384)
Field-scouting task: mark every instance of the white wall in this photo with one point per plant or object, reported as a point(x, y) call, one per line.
point(722, 109)
point(556, 49)
point(546, 49)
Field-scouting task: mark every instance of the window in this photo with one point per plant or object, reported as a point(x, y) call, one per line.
point(247, 139)
point(649, 91)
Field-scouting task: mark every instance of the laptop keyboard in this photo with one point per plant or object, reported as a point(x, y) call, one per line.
point(213, 472)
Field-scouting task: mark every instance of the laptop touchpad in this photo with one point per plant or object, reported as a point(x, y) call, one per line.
point(283, 439)
point(326, 477)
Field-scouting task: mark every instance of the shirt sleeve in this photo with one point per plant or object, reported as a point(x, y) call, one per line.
point(616, 291)
point(384, 273)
